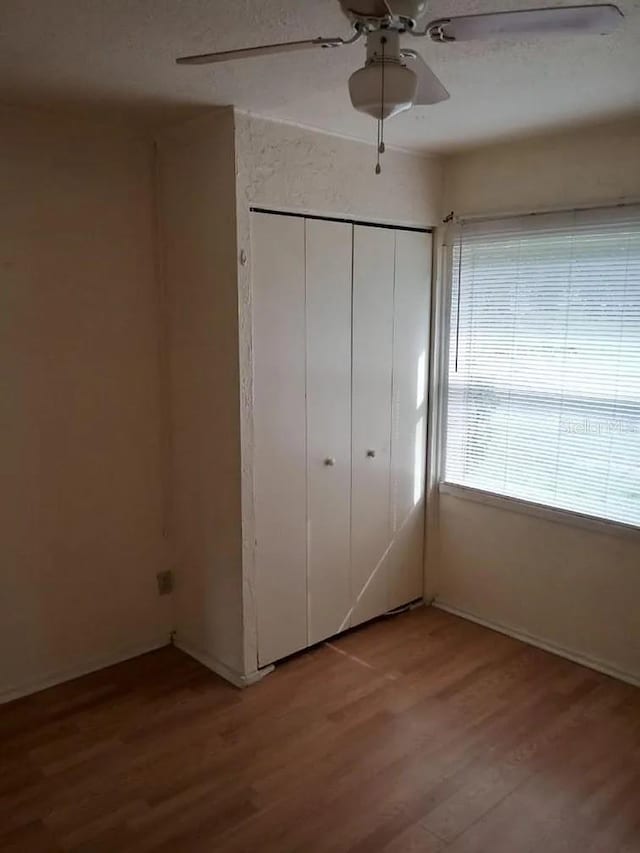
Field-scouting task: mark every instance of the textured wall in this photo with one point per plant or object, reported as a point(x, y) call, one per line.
point(81, 487)
point(291, 168)
point(283, 167)
point(197, 194)
point(574, 588)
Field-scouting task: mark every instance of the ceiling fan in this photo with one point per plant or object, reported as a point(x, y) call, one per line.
point(395, 78)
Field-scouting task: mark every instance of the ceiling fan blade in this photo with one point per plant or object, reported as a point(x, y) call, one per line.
point(600, 19)
point(430, 89)
point(265, 50)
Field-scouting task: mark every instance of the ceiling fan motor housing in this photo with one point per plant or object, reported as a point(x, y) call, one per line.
point(365, 11)
point(385, 86)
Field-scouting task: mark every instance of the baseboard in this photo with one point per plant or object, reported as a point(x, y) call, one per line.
point(51, 680)
point(229, 674)
point(532, 640)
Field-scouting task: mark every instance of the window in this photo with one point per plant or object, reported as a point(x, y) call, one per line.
point(543, 392)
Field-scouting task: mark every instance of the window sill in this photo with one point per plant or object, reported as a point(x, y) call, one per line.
point(560, 516)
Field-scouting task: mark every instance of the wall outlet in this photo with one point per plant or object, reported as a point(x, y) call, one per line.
point(165, 582)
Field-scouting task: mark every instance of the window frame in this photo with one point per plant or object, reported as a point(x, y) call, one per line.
point(439, 392)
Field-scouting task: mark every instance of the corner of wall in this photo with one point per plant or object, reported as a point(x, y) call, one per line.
point(197, 193)
point(245, 361)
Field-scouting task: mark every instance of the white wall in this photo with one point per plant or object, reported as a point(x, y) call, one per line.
point(284, 167)
point(597, 165)
point(83, 500)
point(81, 497)
point(572, 588)
point(197, 200)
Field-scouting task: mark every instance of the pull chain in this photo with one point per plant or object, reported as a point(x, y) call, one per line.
point(380, 142)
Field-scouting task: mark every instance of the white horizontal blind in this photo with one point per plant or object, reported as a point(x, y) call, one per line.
point(544, 361)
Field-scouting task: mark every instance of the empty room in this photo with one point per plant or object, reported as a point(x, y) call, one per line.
point(320, 426)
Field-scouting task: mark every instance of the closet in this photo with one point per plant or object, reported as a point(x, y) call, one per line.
point(340, 350)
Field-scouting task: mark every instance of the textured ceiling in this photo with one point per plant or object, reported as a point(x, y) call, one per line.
point(116, 56)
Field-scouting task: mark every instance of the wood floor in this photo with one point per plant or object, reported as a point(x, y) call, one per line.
point(421, 732)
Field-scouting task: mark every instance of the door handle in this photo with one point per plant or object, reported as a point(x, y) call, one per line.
point(371, 454)
point(329, 462)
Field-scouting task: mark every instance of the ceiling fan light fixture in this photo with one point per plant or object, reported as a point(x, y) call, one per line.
point(400, 89)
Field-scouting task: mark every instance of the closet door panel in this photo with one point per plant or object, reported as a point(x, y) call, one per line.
point(278, 264)
point(408, 441)
point(373, 277)
point(328, 266)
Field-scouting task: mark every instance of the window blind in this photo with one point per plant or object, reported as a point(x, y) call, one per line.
point(543, 391)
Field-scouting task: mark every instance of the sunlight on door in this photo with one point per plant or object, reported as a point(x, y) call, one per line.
point(418, 465)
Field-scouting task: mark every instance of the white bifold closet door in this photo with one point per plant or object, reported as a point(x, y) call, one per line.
point(409, 416)
point(328, 286)
point(280, 434)
point(302, 429)
point(340, 342)
point(391, 275)
point(373, 282)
